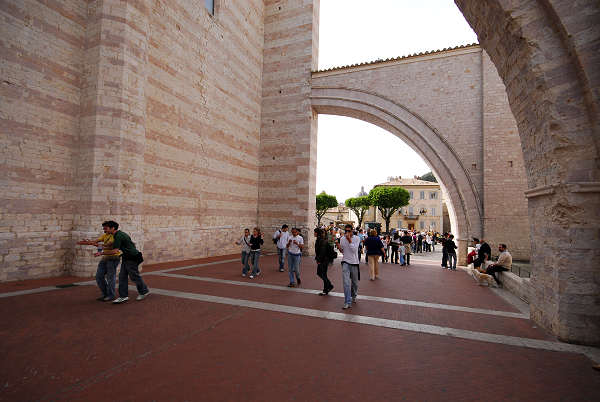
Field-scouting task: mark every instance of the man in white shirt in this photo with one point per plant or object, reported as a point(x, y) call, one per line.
point(348, 245)
point(504, 263)
point(245, 243)
point(281, 238)
point(294, 249)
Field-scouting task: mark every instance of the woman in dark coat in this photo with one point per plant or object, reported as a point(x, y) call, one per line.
point(322, 251)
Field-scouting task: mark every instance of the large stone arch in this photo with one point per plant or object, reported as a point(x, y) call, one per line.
point(547, 53)
point(465, 211)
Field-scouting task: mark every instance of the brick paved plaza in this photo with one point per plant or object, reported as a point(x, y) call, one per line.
point(206, 333)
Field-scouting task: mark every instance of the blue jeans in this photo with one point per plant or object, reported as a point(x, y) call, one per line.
point(294, 266)
point(254, 256)
point(281, 255)
point(130, 268)
point(452, 265)
point(401, 258)
point(350, 281)
point(245, 262)
point(106, 276)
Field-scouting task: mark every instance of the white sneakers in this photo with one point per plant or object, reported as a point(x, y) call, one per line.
point(120, 300)
point(124, 299)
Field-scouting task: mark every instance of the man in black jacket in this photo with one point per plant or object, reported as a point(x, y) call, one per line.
point(484, 253)
point(450, 248)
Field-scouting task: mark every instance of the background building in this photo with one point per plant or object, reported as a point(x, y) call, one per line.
point(339, 216)
point(425, 208)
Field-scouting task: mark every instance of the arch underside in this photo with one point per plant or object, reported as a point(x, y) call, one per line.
point(465, 204)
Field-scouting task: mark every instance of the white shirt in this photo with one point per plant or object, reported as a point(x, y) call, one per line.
point(245, 242)
point(294, 248)
point(283, 240)
point(350, 250)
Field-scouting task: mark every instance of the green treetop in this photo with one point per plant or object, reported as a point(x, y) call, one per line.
point(360, 206)
point(388, 200)
point(324, 202)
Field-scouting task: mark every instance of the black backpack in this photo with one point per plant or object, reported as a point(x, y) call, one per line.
point(331, 253)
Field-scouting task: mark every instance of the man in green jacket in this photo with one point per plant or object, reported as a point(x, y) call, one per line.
point(129, 266)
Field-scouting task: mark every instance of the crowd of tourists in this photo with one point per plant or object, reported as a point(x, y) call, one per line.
point(394, 248)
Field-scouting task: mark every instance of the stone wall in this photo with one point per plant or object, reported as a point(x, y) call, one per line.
point(547, 53)
point(506, 217)
point(203, 95)
point(288, 146)
point(41, 71)
point(460, 98)
point(144, 112)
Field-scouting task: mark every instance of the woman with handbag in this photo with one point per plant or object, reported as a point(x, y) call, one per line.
point(256, 240)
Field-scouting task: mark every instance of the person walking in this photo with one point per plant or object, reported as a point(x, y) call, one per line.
point(444, 251)
point(280, 238)
point(294, 249)
point(375, 248)
point(395, 242)
point(402, 252)
point(256, 241)
point(107, 267)
point(323, 258)
point(362, 236)
point(244, 241)
point(132, 258)
point(451, 250)
point(348, 245)
point(385, 241)
point(407, 241)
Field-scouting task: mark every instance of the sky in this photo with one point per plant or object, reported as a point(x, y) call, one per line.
point(353, 31)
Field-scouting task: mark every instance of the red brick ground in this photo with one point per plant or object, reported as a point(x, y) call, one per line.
point(64, 345)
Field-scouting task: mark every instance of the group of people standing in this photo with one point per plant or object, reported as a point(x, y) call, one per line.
point(290, 244)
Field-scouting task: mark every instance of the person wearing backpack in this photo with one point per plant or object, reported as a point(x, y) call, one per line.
point(245, 243)
point(323, 254)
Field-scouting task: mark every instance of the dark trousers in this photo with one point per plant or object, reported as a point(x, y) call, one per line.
point(477, 262)
point(322, 273)
point(407, 258)
point(444, 258)
point(395, 257)
point(105, 276)
point(492, 269)
point(129, 269)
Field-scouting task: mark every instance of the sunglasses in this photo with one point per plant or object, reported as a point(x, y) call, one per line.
point(348, 230)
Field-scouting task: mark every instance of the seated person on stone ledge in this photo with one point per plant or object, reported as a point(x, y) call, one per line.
point(484, 253)
point(504, 263)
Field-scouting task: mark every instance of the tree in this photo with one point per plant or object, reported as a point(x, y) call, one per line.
point(388, 200)
point(360, 206)
point(428, 177)
point(324, 202)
